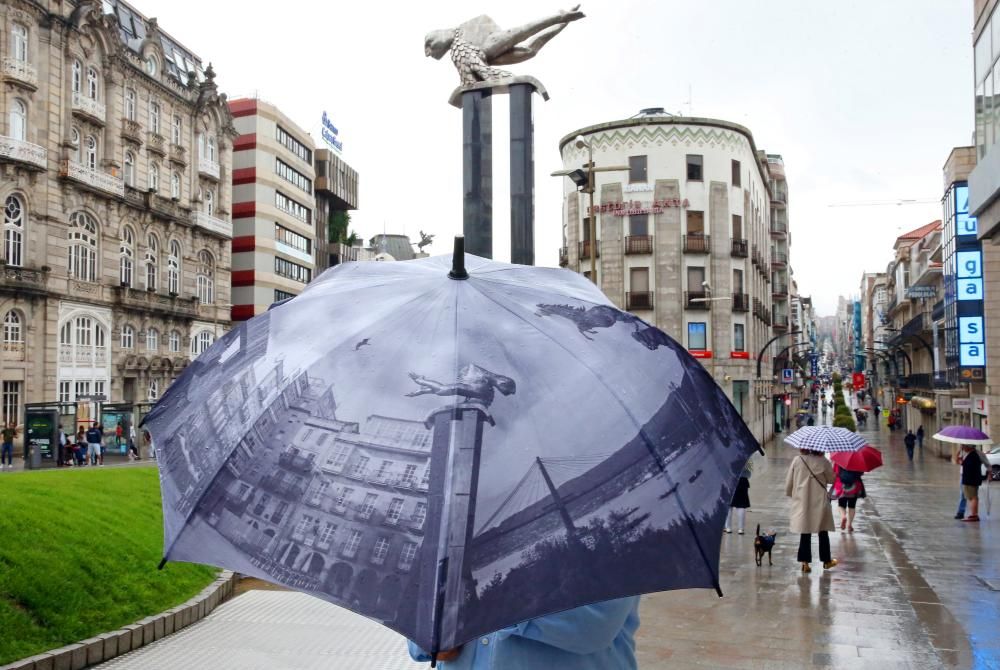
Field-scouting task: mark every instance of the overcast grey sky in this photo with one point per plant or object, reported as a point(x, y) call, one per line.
point(863, 98)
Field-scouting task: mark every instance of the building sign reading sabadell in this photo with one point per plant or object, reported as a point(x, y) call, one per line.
point(331, 134)
point(635, 207)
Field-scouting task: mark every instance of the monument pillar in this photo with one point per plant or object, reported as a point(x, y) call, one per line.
point(477, 172)
point(522, 176)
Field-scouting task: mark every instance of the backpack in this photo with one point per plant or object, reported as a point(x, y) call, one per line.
point(848, 477)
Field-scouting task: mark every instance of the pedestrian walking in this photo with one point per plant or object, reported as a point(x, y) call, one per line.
point(806, 484)
point(94, 437)
point(920, 437)
point(741, 501)
point(584, 638)
point(7, 448)
point(972, 479)
point(910, 441)
point(81, 446)
point(61, 446)
point(119, 433)
point(848, 488)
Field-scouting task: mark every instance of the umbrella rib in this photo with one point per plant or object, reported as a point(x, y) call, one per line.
point(645, 438)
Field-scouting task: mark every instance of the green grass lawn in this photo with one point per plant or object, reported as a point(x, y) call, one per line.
point(78, 556)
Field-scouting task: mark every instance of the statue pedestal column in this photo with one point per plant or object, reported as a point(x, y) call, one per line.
point(477, 172)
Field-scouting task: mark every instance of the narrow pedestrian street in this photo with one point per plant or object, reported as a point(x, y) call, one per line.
point(915, 588)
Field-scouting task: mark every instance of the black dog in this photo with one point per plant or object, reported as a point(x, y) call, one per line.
point(763, 544)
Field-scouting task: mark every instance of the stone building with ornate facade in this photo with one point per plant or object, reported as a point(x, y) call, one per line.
point(115, 153)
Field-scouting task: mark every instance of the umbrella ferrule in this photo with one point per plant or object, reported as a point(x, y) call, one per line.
point(458, 270)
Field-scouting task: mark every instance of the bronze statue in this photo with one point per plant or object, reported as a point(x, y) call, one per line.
point(474, 384)
point(425, 240)
point(479, 44)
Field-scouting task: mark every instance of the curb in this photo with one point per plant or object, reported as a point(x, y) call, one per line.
point(107, 646)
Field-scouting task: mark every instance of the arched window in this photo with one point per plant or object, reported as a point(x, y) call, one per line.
point(174, 268)
point(154, 117)
point(82, 247)
point(19, 42)
point(154, 390)
point(82, 340)
point(18, 125)
point(152, 339)
point(128, 337)
point(175, 185)
point(201, 342)
point(130, 104)
point(154, 177)
point(129, 169)
point(74, 137)
point(126, 259)
point(92, 83)
point(90, 153)
point(177, 130)
point(13, 230)
point(209, 198)
point(13, 337)
point(77, 80)
point(211, 148)
point(152, 261)
point(201, 145)
point(206, 278)
point(175, 342)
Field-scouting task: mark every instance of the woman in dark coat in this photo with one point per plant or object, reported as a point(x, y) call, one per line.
point(741, 500)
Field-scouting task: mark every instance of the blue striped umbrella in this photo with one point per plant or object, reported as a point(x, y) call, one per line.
point(825, 438)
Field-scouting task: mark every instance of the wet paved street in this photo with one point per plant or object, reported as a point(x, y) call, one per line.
point(914, 589)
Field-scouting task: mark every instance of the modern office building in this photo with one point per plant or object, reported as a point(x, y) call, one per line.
point(274, 209)
point(684, 240)
point(115, 155)
point(336, 195)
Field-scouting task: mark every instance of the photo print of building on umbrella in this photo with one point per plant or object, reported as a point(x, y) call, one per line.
point(427, 449)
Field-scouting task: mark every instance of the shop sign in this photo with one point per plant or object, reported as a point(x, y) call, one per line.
point(638, 188)
point(961, 403)
point(739, 354)
point(635, 207)
point(787, 376)
point(914, 292)
point(858, 380)
point(980, 405)
point(700, 353)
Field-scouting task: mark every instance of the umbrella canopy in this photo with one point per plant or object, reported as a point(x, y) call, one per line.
point(427, 451)
point(865, 459)
point(963, 435)
point(825, 438)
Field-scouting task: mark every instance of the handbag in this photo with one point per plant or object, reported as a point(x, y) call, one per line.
point(830, 495)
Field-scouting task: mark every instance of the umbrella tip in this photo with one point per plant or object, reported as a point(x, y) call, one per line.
point(458, 259)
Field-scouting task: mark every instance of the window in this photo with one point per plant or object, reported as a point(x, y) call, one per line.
point(152, 262)
point(129, 169)
point(177, 129)
point(205, 281)
point(154, 117)
point(82, 247)
point(302, 527)
point(737, 227)
point(739, 337)
point(350, 548)
point(737, 281)
point(361, 466)
point(638, 224)
point(636, 169)
point(290, 174)
point(280, 295)
point(696, 336)
point(201, 342)
point(293, 145)
point(19, 42)
point(741, 394)
point(75, 139)
point(326, 535)
point(92, 83)
point(90, 153)
point(419, 514)
point(130, 104)
point(154, 177)
point(11, 402)
point(694, 165)
point(18, 120)
point(696, 278)
point(319, 492)
point(383, 470)
point(344, 498)
point(291, 270)
point(12, 335)
point(128, 337)
point(175, 186)
point(174, 268)
point(736, 173)
point(292, 239)
point(639, 280)
point(13, 231)
point(286, 204)
point(380, 550)
point(395, 507)
point(152, 340)
point(209, 197)
point(210, 155)
point(695, 222)
point(65, 393)
point(153, 392)
point(408, 478)
point(175, 341)
point(126, 254)
point(77, 77)
point(408, 555)
point(279, 512)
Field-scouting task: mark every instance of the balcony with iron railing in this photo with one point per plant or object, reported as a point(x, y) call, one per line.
point(101, 181)
point(208, 168)
point(276, 483)
point(295, 462)
point(697, 243)
point(779, 259)
point(780, 321)
point(212, 224)
point(639, 300)
point(738, 248)
point(696, 300)
point(23, 152)
point(779, 228)
point(88, 107)
point(585, 249)
point(639, 244)
point(741, 302)
point(20, 72)
point(914, 326)
point(779, 289)
point(563, 257)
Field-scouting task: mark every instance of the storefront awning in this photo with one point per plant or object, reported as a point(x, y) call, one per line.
point(922, 403)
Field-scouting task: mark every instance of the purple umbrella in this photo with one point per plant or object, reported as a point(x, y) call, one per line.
point(963, 435)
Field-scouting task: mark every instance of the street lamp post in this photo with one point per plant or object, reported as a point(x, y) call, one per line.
point(763, 398)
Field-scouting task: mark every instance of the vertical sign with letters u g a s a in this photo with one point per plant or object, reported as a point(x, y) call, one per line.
point(969, 288)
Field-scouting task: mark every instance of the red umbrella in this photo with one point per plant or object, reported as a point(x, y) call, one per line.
point(865, 459)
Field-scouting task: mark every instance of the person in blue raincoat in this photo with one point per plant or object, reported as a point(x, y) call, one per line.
point(592, 637)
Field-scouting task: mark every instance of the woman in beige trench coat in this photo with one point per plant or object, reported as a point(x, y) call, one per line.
point(806, 483)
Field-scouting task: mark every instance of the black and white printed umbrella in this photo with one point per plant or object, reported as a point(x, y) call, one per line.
point(825, 438)
point(450, 452)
